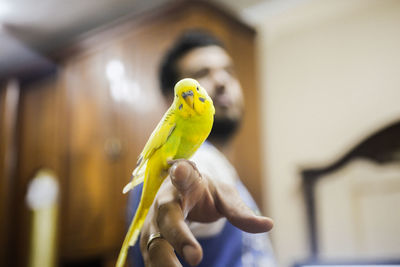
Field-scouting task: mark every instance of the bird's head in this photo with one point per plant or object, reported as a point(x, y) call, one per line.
point(191, 98)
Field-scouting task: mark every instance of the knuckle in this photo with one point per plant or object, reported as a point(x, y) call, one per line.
point(164, 210)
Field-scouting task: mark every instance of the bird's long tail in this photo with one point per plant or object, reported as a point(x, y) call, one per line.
point(152, 183)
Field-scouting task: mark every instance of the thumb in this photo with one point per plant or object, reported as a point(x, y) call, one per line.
point(184, 175)
point(230, 204)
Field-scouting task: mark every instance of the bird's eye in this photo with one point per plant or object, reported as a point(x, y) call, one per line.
point(197, 88)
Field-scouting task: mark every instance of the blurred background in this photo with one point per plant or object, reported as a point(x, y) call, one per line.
point(319, 148)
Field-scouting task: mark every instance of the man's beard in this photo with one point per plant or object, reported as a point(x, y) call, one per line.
point(223, 129)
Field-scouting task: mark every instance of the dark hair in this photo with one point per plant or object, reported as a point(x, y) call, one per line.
point(189, 40)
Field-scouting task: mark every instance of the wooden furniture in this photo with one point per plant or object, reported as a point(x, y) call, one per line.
point(9, 98)
point(89, 120)
point(352, 204)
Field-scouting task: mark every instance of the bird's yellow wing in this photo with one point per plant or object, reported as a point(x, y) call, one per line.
point(160, 134)
point(158, 137)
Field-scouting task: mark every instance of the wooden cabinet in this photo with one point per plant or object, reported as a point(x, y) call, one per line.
point(90, 120)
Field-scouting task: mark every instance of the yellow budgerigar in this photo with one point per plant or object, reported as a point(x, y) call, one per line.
point(181, 131)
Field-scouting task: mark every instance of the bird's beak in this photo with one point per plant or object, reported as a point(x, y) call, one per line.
point(188, 97)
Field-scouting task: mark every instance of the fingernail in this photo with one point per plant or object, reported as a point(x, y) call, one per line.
point(191, 255)
point(172, 170)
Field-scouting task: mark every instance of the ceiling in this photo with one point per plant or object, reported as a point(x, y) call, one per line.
point(30, 29)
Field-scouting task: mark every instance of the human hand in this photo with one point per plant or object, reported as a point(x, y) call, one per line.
point(186, 194)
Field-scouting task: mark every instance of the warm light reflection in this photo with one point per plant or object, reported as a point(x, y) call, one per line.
point(42, 199)
point(122, 89)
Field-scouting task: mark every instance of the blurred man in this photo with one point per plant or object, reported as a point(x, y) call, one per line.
point(204, 213)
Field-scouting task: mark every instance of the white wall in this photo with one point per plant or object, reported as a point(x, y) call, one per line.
point(330, 76)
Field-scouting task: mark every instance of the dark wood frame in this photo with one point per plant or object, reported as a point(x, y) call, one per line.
point(381, 147)
point(9, 105)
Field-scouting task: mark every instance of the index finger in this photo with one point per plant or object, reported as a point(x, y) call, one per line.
point(159, 251)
